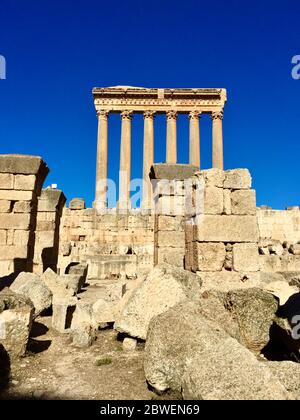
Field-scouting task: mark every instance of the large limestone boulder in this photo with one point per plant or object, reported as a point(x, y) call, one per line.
point(163, 288)
point(54, 282)
point(245, 314)
point(16, 315)
point(288, 374)
point(185, 351)
point(30, 286)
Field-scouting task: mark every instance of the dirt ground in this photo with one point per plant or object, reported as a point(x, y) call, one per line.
point(54, 369)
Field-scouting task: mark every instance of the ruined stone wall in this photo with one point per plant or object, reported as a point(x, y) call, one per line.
point(222, 235)
point(50, 207)
point(279, 239)
point(21, 180)
point(111, 244)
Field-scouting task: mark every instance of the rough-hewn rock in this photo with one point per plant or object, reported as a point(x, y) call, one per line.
point(31, 286)
point(184, 350)
point(170, 171)
point(16, 315)
point(55, 284)
point(163, 288)
point(288, 374)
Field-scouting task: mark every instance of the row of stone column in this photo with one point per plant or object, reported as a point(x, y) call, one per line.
point(148, 159)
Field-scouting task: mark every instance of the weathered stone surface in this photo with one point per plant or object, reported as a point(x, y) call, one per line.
point(237, 179)
point(23, 164)
point(213, 177)
point(25, 182)
point(210, 256)
point(31, 286)
point(15, 221)
point(295, 249)
point(163, 288)
point(288, 373)
point(73, 282)
point(6, 181)
point(22, 207)
point(228, 280)
point(172, 256)
point(170, 239)
point(270, 263)
point(51, 200)
point(83, 335)
point(104, 311)
point(201, 358)
point(16, 314)
point(245, 257)
point(169, 223)
point(15, 195)
point(129, 344)
point(213, 200)
point(63, 310)
point(243, 202)
point(77, 204)
point(5, 206)
point(56, 285)
point(172, 171)
point(171, 206)
point(211, 228)
point(227, 201)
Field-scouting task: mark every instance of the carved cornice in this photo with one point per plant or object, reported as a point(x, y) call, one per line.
point(217, 115)
point(171, 115)
point(193, 115)
point(149, 114)
point(126, 115)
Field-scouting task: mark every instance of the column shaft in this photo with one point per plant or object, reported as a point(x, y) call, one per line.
point(171, 137)
point(125, 160)
point(218, 159)
point(195, 138)
point(101, 169)
point(148, 158)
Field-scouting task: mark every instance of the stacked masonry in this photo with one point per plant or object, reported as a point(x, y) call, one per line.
point(223, 238)
point(50, 206)
point(21, 179)
point(170, 183)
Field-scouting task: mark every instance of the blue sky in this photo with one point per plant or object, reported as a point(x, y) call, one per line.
point(57, 51)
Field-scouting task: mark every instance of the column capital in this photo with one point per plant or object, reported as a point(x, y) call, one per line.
point(171, 115)
point(195, 114)
point(102, 113)
point(218, 115)
point(149, 114)
point(126, 115)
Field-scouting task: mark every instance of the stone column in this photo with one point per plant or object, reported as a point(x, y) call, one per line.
point(148, 157)
point(125, 161)
point(171, 137)
point(217, 120)
point(195, 138)
point(101, 174)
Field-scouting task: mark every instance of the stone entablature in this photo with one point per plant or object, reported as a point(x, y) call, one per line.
point(127, 101)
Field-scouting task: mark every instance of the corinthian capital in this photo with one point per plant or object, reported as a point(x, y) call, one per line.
point(193, 115)
point(217, 115)
point(126, 115)
point(171, 115)
point(149, 114)
point(102, 113)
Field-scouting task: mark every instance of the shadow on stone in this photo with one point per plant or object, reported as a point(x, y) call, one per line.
point(4, 368)
point(38, 329)
point(38, 346)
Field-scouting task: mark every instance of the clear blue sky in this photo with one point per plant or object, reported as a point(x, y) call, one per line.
point(57, 51)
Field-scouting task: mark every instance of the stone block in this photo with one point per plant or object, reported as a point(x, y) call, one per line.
point(172, 171)
point(14, 195)
point(25, 182)
point(63, 310)
point(213, 200)
point(171, 206)
point(77, 204)
point(172, 256)
point(51, 200)
point(237, 179)
point(168, 187)
point(227, 201)
point(13, 252)
point(5, 206)
point(170, 239)
point(22, 207)
point(20, 237)
point(23, 164)
point(84, 335)
point(45, 226)
point(6, 181)
point(214, 177)
point(270, 263)
point(210, 256)
point(3, 237)
point(245, 257)
point(129, 344)
point(214, 228)
point(243, 202)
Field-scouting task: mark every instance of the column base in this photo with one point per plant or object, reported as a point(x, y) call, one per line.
point(123, 207)
point(100, 206)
